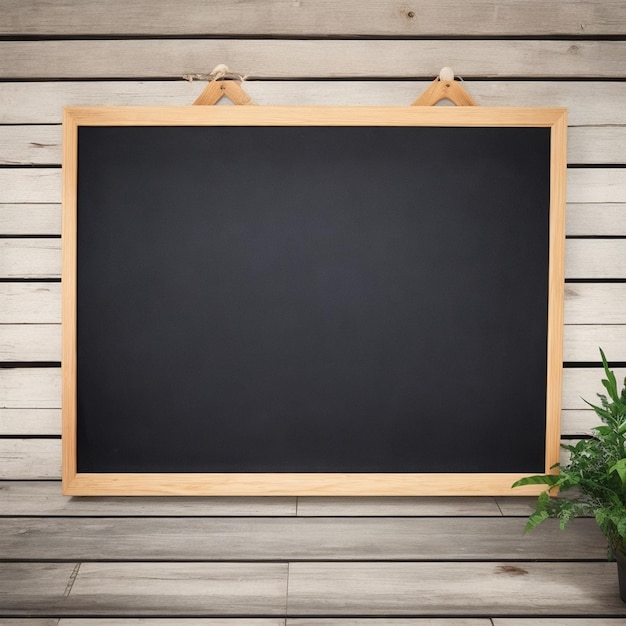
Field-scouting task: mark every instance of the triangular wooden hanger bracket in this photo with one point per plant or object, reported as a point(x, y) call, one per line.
point(444, 87)
point(224, 83)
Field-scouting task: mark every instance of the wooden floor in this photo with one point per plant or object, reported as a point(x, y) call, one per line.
point(295, 561)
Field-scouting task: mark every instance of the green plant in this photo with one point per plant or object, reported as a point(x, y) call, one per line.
point(595, 472)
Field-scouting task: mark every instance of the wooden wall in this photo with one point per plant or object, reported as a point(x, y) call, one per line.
point(565, 53)
point(534, 53)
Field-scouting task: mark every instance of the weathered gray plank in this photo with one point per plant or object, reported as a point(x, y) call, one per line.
point(43, 185)
point(576, 423)
point(42, 342)
point(588, 303)
point(24, 388)
point(463, 589)
point(30, 186)
point(41, 258)
point(30, 342)
point(588, 103)
point(30, 145)
point(322, 18)
point(30, 258)
point(596, 219)
point(366, 621)
point(41, 388)
point(40, 583)
point(30, 421)
point(25, 621)
point(148, 58)
point(170, 621)
point(595, 258)
point(297, 538)
point(596, 185)
point(41, 145)
point(555, 621)
point(30, 219)
point(30, 303)
point(145, 589)
point(30, 459)
point(581, 342)
point(315, 506)
point(40, 303)
point(584, 383)
point(605, 144)
point(44, 498)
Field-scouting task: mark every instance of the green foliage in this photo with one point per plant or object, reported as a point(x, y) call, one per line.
point(595, 473)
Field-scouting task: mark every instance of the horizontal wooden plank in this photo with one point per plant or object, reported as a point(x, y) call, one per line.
point(321, 18)
point(595, 258)
point(596, 185)
point(582, 219)
point(30, 303)
point(30, 459)
point(372, 621)
point(552, 621)
point(24, 186)
point(41, 145)
point(26, 388)
point(42, 342)
point(41, 387)
point(144, 589)
point(43, 498)
point(589, 145)
point(372, 506)
point(30, 145)
point(274, 58)
point(578, 422)
point(41, 258)
point(596, 219)
point(589, 303)
point(588, 103)
point(47, 581)
point(25, 621)
point(297, 538)
point(43, 185)
point(30, 219)
point(168, 621)
point(582, 342)
point(30, 421)
point(465, 589)
point(30, 342)
point(40, 303)
point(30, 258)
point(579, 383)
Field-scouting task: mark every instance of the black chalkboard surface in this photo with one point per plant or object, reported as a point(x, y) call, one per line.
point(326, 300)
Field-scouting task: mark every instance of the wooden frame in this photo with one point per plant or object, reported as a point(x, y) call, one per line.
point(75, 483)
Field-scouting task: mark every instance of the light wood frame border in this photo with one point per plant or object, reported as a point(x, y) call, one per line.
point(308, 484)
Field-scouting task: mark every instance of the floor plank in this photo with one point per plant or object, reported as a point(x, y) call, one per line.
point(33, 584)
point(360, 621)
point(551, 621)
point(145, 589)
point(440, 506)
point(156, 621)
point(44, 498)
point(464, 589)
point(282, 539)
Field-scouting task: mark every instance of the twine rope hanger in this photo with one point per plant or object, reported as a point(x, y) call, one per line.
point(222, 83)
point(219, 72)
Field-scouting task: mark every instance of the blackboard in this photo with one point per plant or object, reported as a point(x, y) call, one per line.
point(261, 302)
